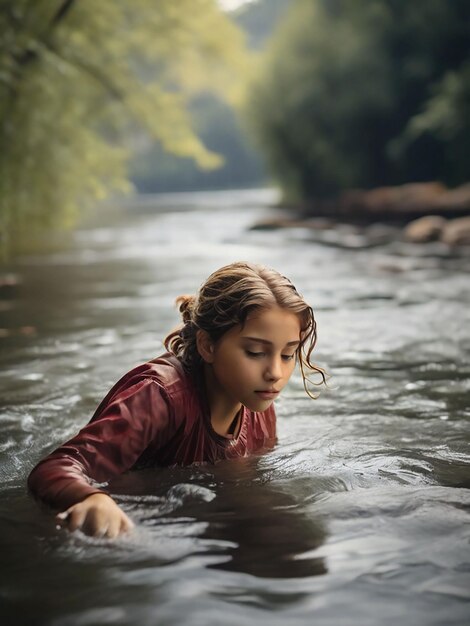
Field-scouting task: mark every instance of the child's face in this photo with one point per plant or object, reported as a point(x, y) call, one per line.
point(251, 365)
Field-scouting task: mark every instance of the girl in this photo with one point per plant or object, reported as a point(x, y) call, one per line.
point(210, 397)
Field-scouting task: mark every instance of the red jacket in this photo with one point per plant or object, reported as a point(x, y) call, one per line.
point(155, 415)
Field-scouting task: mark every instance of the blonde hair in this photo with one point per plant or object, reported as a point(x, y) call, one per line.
point(226, 299)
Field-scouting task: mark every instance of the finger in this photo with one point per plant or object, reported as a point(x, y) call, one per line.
point(95, 524)
point(75, 519)
point(101, 532)
point(119, 526)
point(127, 525)
point(62, 519)
point(113, 529)
point(127, 521)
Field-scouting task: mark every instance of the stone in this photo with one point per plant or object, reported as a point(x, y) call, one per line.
point(457, 232)
point(385, 202)
point(403, 202)
point(457, 199)
point(428, 228)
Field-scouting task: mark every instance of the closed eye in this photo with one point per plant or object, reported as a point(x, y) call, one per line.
point(288, 357)
point(254, 355)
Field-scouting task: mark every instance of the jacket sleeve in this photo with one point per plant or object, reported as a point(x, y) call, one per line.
point(107, 446)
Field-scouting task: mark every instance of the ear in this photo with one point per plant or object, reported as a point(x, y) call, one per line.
point(205, 346)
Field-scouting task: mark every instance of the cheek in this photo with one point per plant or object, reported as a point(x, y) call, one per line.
point(232, 366)
point(290, 369)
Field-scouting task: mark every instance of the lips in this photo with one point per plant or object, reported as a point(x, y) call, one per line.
point(267, 394)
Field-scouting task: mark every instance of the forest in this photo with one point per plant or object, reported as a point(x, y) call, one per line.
point(84, 84)
point(313, 96)
point(365, 94)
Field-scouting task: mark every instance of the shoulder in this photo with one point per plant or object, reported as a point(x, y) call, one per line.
point(163, 375)
point(166, 371)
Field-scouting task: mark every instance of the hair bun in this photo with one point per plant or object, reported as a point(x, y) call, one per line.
point(185, 305)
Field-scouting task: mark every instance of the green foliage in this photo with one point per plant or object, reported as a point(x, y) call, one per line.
point(217, 125)
point(444, 120)
point(358, 94)
point(80, 81)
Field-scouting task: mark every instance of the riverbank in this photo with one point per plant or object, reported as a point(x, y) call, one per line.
point(416, 212)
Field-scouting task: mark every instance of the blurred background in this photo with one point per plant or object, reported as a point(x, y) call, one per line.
point(314, 97)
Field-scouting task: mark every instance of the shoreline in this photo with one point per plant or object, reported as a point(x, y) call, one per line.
point(422, 212)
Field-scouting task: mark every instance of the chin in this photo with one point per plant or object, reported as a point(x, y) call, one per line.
point(259, 406)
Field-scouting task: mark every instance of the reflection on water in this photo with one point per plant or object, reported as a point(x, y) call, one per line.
point(257, 528)
point(360, 513)
point(267, 532)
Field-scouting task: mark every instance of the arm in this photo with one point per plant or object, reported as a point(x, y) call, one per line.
point(105, 448)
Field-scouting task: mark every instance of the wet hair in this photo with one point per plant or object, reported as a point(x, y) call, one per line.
point(227, 298)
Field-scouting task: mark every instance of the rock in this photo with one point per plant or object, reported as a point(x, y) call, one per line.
point(425, 229)
point(9, 284)
point(457, 199)
point(457, 232)
point(420, 197)
point(411, 199)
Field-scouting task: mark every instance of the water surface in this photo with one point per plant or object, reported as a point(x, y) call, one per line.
point(358, 516)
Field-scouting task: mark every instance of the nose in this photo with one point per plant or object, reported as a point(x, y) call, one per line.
point(273, 372)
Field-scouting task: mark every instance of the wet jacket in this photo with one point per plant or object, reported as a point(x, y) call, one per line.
point(156, 415)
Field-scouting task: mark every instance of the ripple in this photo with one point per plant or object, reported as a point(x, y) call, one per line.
point(360, 511)
point(32, 376)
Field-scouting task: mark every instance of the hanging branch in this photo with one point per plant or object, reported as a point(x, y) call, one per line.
point(29, 55)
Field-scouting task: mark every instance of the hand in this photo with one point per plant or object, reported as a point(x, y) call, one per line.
point(97, 516)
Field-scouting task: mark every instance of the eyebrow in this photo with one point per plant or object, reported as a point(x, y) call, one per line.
point(258, 340)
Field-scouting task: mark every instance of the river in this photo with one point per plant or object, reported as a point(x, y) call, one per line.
point(359, 516)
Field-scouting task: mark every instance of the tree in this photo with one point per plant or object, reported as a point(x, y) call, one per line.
point(217, 124)
point(358, 94)
point(80, 81)
point(220, 125)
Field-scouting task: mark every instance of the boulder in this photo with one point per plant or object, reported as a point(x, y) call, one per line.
point(403, 202)
point(428, 228)
point(456, 200)
point(457, 232)
point(385, 202)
